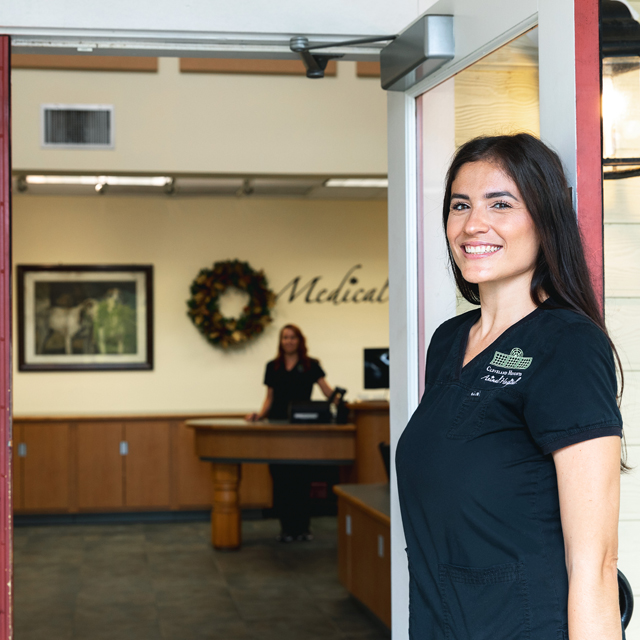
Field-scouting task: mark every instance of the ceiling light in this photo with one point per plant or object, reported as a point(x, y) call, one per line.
point(136, 181)
point(376, 183)
point(129, 181)
point(89, 180)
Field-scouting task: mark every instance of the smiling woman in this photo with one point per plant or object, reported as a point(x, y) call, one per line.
point(508, 471)
point(490, 230)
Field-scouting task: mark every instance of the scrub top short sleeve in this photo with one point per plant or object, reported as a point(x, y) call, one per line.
point(295, 385)
point(270, 376)
point(572, 397)
point(477, 483)
point(316, 371)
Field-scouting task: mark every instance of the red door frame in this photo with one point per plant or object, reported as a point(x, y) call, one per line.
point(589, 138)
point(6, 507)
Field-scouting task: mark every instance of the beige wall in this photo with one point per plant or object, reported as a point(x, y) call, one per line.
point(169, 122)
point(179, 236)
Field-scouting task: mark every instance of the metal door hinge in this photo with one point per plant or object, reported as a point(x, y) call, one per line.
point(124, 448)
point(22, 450)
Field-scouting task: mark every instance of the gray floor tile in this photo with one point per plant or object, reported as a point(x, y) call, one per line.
point(169, 583)
point(45, 632)
point(115, 612)
point(165, 582)
point(300, 628)
point(201, 598)
point(208, 630)
point(135, 592)
point(119, 632)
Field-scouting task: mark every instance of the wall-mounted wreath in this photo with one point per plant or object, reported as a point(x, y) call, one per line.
point(204, 304)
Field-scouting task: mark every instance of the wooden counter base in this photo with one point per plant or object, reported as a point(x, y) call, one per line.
point(227, 442)
point(225, 515)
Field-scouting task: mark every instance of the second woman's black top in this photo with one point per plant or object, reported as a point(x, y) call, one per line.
point(290, 386)
point(477, 482)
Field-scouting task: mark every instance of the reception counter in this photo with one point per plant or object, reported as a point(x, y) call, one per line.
point(77, 464)
point(227, 443)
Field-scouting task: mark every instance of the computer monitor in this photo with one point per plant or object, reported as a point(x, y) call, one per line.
point(376, 368)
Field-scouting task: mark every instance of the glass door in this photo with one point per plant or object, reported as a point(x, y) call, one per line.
point(498, 94)
point(525, 66)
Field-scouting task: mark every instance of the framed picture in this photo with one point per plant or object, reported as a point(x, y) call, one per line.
point(85, 317)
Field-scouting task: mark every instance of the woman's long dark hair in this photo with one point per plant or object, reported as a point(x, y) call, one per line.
point(303, 358)
point(561, 270)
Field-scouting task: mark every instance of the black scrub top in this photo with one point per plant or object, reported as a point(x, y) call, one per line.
point(290, 386)
point(477, 482)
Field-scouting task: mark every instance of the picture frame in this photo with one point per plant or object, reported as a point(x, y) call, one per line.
point(85, 317)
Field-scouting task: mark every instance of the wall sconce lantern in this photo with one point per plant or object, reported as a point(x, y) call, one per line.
point(620, 55)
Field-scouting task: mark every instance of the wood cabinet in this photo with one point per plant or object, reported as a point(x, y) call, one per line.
point(133, 463)
point(364, 551)
point(192, 475)
point(147, 465)
point(108, 465)
point(256, 486)
point(41, 467)
point(16, 468)
point(100, 475)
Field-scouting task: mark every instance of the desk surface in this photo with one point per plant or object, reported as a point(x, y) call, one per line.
point(235, 440)
point(239, 424)
point(373, 498)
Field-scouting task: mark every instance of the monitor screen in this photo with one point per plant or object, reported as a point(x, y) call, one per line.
point(376, 368)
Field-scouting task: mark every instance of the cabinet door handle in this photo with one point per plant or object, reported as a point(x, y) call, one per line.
point(22, 450)
point(347, 522)
point(380, 546)
point(124, 448)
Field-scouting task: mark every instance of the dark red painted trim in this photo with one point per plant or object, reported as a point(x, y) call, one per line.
point(6, 568)
point(589, 138)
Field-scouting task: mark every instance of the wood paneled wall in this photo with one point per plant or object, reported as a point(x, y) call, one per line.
point(187, 65)
point(498, 95)
point(238, 65)
point(136, 463)
point(368, 69)
point(83, 63)
point(71, 465)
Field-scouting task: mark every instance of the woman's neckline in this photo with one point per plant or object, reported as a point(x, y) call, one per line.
point(295, 364)
point(466, 329)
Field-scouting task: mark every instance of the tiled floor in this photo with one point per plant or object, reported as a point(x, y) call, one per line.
point(164, 581)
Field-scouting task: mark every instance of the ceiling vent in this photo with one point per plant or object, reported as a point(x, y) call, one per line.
point(77, 126)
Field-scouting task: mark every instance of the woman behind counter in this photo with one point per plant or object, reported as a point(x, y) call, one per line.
point(290, 378)
point(509, 470)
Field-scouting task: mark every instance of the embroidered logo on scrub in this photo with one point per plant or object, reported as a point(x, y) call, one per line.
point(510, 369)
point(514, 360)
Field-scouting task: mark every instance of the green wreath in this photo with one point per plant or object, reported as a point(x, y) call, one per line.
point(204, 304)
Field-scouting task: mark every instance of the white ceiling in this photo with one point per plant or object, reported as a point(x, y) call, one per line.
point(156, 27)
